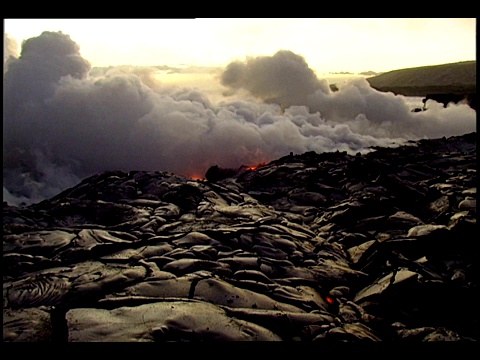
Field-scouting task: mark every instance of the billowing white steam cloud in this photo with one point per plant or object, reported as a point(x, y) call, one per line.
point(62, 122)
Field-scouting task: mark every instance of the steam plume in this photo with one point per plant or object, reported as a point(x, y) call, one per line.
point(62, 121)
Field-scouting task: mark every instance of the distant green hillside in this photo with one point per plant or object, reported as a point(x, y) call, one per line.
point(455, 78)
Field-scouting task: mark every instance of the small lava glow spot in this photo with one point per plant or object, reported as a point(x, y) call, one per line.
point(255, 167)
point(196, 177)
point(330, 300)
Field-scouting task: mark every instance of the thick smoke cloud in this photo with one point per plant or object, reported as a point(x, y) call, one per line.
point(283, 78)
point(64, 121)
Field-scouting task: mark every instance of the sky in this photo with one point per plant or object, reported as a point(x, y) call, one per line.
point(327, 44)
point(244, 102)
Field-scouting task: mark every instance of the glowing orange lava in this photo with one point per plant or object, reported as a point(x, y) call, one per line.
point(240, 170)
point(255, 167)
point(196, 177)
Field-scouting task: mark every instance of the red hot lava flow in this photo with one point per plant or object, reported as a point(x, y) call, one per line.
point(230, 172)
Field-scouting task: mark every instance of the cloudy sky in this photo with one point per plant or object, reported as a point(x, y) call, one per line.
point(66, 118)
point(327, 44)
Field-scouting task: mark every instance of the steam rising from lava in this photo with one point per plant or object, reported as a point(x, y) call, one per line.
point(63, 120)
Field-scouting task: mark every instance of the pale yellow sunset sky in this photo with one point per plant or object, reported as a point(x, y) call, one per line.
point(327, 44)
